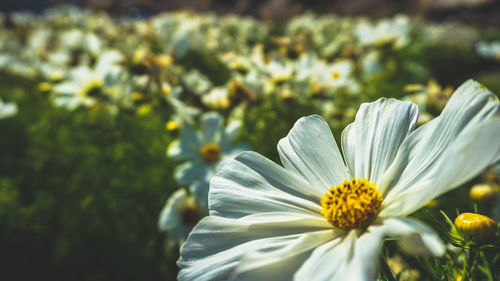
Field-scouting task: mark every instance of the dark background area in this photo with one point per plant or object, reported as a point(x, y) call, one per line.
point(475, 12)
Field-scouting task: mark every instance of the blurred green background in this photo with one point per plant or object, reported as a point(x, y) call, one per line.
point(80, 192)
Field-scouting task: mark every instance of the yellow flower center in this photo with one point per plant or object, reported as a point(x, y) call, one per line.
point(93, 89)
point(352, 204)
point(210, 152)
point(166, 90)
point(190, 215)
point(335, 75)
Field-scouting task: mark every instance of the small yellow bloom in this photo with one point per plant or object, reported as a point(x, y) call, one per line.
point(139, 56)
point(413, 87)
point(144, 109)
point(482, 192)
point(56, 77)
point(44, 87)
point(172, 126)
point(136, 96)
point(432, 203)
point(475, 226)
point(163, 60)
point(166, 89)
point(286, 94)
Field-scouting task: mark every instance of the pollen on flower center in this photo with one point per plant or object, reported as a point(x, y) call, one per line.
point(352, 204)
point(210, 152)
point(190, 215)
point(93, 89)
point(335, 75)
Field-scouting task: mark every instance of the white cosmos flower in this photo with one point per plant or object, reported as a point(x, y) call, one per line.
point(85, 84)
point(178, 216)
point(266, 221)
point(395, 30)
point(203, 152)
point(335, 75)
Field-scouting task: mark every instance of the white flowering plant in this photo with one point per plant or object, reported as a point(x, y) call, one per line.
point(91, 102)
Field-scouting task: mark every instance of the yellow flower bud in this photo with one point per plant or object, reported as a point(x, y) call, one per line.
point(432, 203)
point(482, 192)
point(172, 126)
point(137, 96)
point(144, 109)
point(166, 89)
point(163, 61)
point(477, 227)
point(56, 76)
point(44, 87)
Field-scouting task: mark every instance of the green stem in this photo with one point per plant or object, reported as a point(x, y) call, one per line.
point(486, 266)
point(471, 260)
point(386, 270)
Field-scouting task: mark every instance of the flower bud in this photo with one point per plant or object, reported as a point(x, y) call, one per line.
point(482, 192)
point(477, 227)
point(172, 126)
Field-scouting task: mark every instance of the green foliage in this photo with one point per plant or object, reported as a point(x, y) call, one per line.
point(80, 193)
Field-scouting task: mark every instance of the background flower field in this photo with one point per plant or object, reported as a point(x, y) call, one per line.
point(93, 150)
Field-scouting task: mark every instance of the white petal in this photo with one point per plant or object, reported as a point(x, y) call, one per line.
point(231, 132)
point(8, 110)
point(353, 258)
point(281, 263)
point(169, 216)
point(251, 183)
point(423, 155)
point(325, 260)
point(67, 88)
point(219, 247)
point(199, 189)
point(188, 172)
point(211, 124)
point(188, 147)
point(474, 150)
point(174, 149)
point(414, 237)
point(309, 150)
point(372, 141)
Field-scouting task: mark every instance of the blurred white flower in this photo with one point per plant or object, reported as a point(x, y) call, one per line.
point(395, 31)
point(85, 85)
point(217, 98)
point(203, 152)
point(320, 218)
point(337, 74)
point(178, 217)
point(196, 82)
point(7, 109)
point(489, 50)
point(370, 63)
